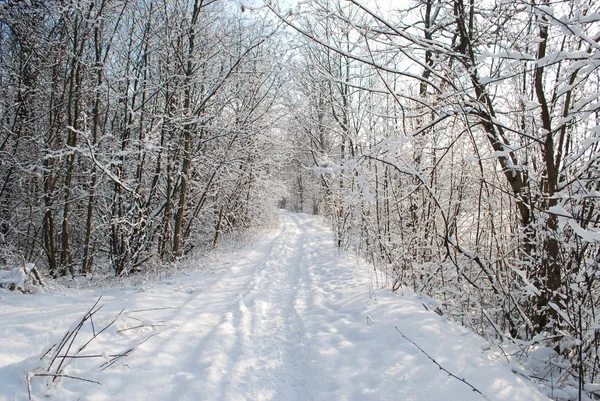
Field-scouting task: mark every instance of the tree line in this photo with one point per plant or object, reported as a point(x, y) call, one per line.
point(132, 130)
point(454, 144)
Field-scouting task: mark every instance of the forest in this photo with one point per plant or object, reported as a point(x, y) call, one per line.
point(453, 144)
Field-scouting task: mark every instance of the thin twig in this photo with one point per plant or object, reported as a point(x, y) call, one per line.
point(56, 375)
point(108, 364)
point(101, 331)
point(90, 356)
point(72, 335)
point(151, 309)
point(73, 338)
point(28, 378)
point(93, 327)
point(69, 333)
point(141, 325)
point(47, 352)
point(440, 366)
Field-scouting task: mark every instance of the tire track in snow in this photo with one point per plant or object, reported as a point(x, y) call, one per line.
point(207, 331)
point(271, 365)
point(243, 334)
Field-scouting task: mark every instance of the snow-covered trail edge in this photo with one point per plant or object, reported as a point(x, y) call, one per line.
point(290, 319)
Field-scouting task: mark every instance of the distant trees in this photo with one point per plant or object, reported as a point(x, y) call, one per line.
point(472, 172)
point(131, 129)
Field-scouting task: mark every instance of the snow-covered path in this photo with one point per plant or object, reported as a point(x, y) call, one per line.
point(290, 320)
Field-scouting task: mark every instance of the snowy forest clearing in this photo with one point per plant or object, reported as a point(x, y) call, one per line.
point(290, 319)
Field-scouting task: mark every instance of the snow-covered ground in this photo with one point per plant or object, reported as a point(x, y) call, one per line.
point(290, 319)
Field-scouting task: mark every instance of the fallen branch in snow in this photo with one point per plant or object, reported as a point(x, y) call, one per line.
point(68, 340)
point(440, 366)
point(64, 347)
point(68, 350)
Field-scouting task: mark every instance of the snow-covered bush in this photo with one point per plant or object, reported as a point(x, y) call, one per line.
point(25, 279)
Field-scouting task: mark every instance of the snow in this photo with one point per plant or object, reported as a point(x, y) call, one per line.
point(565, 217)
point(586, 235)
point(17, 278)
point(561, 213)
point(289, 319)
